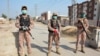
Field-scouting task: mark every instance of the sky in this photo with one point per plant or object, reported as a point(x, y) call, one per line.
point(59, 6)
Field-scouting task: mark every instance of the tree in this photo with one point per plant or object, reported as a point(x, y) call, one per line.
point(4, 16)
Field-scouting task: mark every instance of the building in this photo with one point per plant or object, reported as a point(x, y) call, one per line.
point(80, 9)
point(97, 12)
point(46, 15)
point(72, 13)
point(90, 8)
point(63, 20)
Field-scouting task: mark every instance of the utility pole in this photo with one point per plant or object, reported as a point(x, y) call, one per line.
point(8, 8)
point(98, 18)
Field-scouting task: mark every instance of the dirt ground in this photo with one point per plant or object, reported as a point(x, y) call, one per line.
point(9, 42)
point(7, 39)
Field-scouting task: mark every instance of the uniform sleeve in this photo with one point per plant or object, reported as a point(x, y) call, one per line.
point(17, 23)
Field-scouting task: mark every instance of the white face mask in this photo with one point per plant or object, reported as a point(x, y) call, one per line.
point(24, 11)
point(55, 17)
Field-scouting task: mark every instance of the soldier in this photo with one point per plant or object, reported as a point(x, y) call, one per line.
point(54, 33)
point(25, 24)
point(81, 34)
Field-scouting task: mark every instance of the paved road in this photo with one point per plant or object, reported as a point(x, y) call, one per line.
point(40, 43)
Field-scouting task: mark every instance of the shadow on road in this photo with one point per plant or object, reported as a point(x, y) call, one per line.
point(67, 47)
point(72, 42)
point(62, 46)
point(47, 43)
point(42, 49)
point(16, 39)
